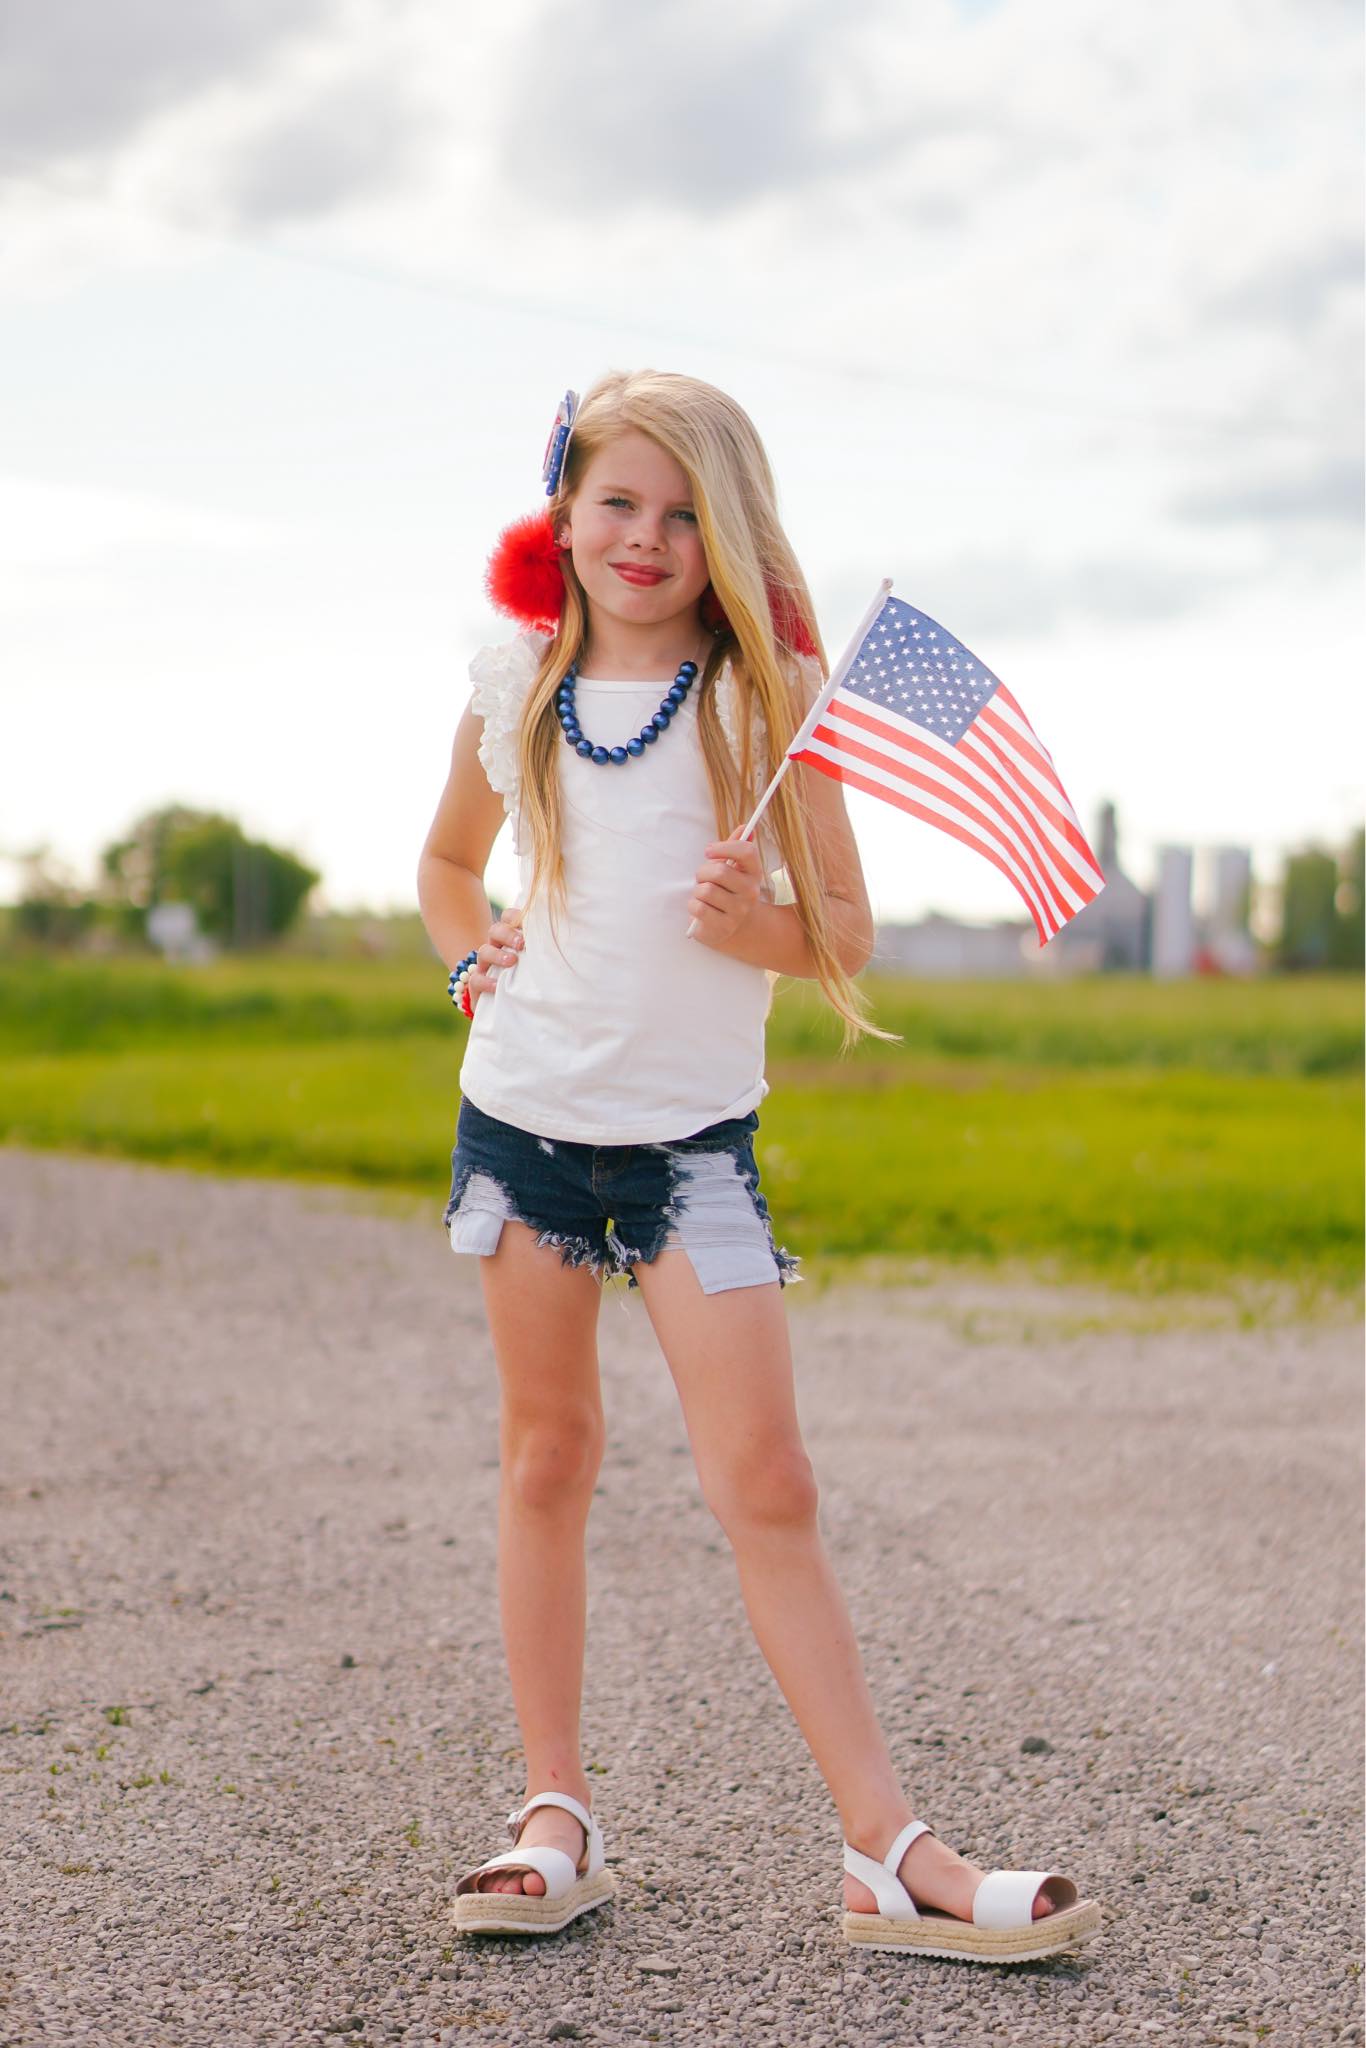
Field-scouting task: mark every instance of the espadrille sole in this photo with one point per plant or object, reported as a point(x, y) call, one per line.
point(516, 1913)
point(941, 1934)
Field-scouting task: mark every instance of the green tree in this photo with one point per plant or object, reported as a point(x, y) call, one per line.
point(1321, 908)
point(243, 891)
point(52, 909)
point(134, 868)
point(1349, 899)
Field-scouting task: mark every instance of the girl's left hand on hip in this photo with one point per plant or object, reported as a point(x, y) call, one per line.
point(726, 890)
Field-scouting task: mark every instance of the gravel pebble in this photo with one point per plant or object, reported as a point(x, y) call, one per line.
point(255, 1721)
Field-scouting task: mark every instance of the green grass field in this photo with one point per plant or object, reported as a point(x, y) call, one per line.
point(1153, 1136)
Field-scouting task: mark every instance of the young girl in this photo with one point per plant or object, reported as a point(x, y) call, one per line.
point(609, 1095)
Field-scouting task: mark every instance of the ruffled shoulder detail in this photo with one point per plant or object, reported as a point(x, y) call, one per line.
point(502, 677)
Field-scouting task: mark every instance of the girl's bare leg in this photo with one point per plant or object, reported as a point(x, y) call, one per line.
point(732, 1364)
point(543, 1318)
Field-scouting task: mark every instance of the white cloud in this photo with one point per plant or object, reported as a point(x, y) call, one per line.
point(80, 81)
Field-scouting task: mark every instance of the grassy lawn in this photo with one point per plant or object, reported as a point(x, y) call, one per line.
point(1153, 1136)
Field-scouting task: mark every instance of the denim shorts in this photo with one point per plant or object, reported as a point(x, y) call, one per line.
point(611, 1207)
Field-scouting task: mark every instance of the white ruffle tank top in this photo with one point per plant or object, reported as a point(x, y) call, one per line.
point(625, 1031)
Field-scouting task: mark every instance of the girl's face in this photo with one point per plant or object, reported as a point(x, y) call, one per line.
point(633, 534)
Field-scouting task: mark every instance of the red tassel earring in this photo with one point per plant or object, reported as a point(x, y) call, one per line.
point(789, 627)
point(710, 611)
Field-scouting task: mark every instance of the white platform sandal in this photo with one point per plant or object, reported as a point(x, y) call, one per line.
point(570, 1889)
point(1001, 1929)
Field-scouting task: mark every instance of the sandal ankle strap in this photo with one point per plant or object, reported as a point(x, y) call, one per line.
point(894, 1902)
point(561, 1799)
point(910, 1833)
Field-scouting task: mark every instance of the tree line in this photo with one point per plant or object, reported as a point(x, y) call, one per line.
point(245, 893)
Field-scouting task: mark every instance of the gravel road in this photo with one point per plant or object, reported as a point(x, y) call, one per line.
point(254, 1723)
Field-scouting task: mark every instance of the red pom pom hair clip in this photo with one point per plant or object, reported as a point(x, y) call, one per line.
point(524, 578)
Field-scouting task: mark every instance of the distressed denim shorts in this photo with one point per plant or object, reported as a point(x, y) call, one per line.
point(610, 1207)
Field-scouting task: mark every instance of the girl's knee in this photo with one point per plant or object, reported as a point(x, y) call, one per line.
point(551, 1461)
point(774, 1488)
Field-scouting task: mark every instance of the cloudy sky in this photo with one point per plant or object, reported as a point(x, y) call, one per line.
point(1050, 312)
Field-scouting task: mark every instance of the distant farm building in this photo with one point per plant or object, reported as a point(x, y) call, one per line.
point(1123, 930)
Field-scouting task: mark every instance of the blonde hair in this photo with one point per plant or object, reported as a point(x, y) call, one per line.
point(757, 579)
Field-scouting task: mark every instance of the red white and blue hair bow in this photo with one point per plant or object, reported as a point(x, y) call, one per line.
point(557, 447)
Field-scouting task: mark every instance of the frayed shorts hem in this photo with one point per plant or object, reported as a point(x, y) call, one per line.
point(611, 1208)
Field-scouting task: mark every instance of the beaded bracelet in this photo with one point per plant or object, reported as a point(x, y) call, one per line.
point(457, 987)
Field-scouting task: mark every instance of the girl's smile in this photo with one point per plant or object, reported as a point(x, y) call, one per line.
point(636, 572)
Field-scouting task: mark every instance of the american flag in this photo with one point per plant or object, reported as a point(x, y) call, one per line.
point(919, 721)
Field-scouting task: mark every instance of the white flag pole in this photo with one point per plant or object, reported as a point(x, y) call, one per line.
point(813, 716)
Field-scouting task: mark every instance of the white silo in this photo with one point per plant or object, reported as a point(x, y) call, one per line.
point(1173, 921)
point(1232, 892)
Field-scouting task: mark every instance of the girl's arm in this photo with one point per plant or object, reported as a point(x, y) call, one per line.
point(450, 869)
point(733, 919)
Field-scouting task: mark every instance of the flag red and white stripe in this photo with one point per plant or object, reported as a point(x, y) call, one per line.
point(917, 721)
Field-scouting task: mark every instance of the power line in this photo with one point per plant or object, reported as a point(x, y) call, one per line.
point(851, 371)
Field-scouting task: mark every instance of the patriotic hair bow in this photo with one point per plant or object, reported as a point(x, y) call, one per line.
point(557, 447)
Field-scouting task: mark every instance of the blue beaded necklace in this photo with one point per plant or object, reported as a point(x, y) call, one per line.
point(649, 732)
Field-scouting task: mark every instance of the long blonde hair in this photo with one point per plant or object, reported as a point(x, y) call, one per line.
point(757, 579)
